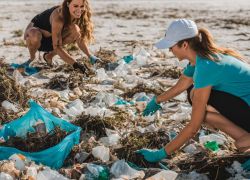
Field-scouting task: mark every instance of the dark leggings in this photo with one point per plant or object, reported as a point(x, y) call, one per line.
point(232, 107)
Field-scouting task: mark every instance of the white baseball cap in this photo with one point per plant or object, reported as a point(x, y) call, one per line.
point(178, 30)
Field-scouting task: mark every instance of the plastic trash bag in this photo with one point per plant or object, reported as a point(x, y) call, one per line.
point(27, 70)
point(53, 156)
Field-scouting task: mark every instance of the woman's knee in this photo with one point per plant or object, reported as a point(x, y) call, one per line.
point(243, 141)
point(75, 31)
point(34, 36)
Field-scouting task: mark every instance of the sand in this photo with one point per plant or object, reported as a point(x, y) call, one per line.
point(119, 24)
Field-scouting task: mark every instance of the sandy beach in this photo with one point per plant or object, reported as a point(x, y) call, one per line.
point(108, 103)
point(120, 24)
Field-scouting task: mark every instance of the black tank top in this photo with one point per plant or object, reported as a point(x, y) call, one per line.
point(42, 20)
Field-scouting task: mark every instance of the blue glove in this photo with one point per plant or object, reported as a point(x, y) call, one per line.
point(153, 155)
point(93, 59)
point(246, 165)
point(151, 107)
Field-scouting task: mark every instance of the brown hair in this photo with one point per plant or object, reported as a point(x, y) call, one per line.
point(84, 22)
point(203, 44)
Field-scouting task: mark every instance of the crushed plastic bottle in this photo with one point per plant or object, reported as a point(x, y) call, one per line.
point(97, 172)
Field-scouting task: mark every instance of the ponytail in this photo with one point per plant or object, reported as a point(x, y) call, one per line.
point(203, 44)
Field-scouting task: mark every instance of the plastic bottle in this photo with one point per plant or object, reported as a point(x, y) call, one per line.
point(97, 172)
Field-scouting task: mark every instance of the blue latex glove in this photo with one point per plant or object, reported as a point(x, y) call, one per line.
point(153, 155)
point(246, 165)
point(93, 59)
point(151, 107)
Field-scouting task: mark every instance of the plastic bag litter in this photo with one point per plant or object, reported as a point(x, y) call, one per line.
point(121, 70)
point(219, 138)
point(81, 157)
point(32, 172)
point(74, 108)
point(141, 56)
point(96, 172)
point(101, 152)
point(164, 175)
point(49, 174)
point(9, 106)
point(104, 99)
point(191, 149)
point(101, 74)
point(120, 169)
point(112, 138)
point(54, 156)
point(4, 176)
point(97, 111)
point(192, 176)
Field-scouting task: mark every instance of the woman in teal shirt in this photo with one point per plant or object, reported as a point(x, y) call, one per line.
point(218, 84)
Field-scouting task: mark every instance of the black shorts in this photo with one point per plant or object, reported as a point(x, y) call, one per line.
point(46, 44)
point(232, 107)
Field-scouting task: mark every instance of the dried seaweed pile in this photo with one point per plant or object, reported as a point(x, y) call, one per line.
point(173, 72)
point(106, 56)
point(58, 83)
point(214, 167)
point(35, 142)
point(61, 82)
point(136, 141)
point(11, 92)
point(98, 124)
point(129, 93)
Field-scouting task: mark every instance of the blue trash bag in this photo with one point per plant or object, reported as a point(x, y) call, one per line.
point(52, 157)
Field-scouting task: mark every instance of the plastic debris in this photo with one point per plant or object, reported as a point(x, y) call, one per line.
point(75, 108)
point(50, 174)
point(19, 161)
point(219, 138)
point(9, 106)
point(101, 152)
point(97, 172)
point(101, 74)
point(128, 58)
point(5, 176)
point(120, 169)
point(164, 175)
point(81, 157)
point(212, 145)
point(191, 149)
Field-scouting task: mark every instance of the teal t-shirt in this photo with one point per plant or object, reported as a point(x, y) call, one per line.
point(228, 74)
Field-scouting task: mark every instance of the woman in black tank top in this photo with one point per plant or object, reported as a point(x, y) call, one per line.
point(60, 25)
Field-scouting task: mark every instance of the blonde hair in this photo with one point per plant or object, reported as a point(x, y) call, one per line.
point(203, 44)
point(84, 22)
